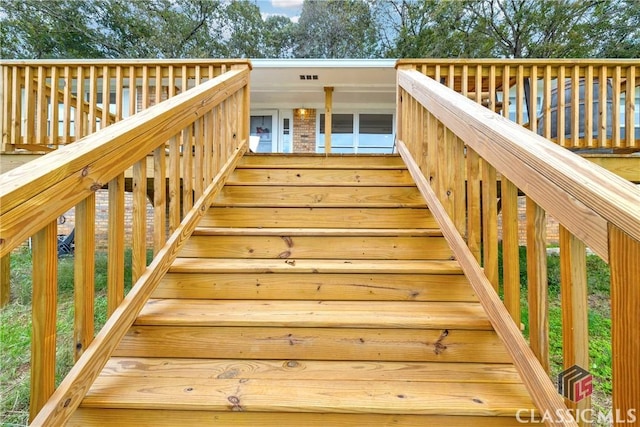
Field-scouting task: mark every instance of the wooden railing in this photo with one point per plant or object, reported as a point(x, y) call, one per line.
point(206, 130)
point(47, 104)
point(558, 99)
point(457, 152)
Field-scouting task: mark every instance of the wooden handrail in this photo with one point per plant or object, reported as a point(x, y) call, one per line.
point(445, 133)
point(31, 196)
point(595, 195)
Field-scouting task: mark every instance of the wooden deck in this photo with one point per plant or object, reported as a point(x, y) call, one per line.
point(316, 291)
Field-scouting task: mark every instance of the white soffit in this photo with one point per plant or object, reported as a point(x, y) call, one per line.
point(301, 82)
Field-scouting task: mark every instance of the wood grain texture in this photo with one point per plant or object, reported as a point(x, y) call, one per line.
point(417, 345)
point(322, 161)
point(144, 418)
point(625, 319)
point(5, 280)
point(321, 177)
point(323, 247)
point(318, 217)
point(286, 196)
point(318, 314)
point(510, 249)
point(43, 315)
point(317, 286)
point(84, 275)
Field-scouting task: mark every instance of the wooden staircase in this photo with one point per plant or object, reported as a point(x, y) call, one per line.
point(317, 291)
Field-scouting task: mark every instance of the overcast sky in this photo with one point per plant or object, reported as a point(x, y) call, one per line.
point(290, 8)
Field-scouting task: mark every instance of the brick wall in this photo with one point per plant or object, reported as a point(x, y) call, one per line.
point(304, 131)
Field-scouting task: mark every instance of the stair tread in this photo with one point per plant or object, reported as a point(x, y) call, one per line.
point(321, 314)
point(327, 196)
point(322, 161)
point(148, 367)
point(318, 395)
point(231, 265)
point(321, 177)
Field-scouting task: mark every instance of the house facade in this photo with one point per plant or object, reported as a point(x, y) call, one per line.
point(290, 101)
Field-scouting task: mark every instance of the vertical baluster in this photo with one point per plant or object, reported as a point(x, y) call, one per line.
point(115, 244)
point(29, 102)
point(84, 274)
point(42, 107)
point(506, 99)
point(492, 87)
point(615, 114)
point(16, 107)
point(575, 321)
point(133, 89)
point(187, 156)
point(80, 125)
point(537, 283)
point(603, 128)
point(510, 248)
point(520, 95)
point(44, 311)
point(174, 183)
point(562, 107)
point(533, 99)
point(546, 109)
point(145, 88)
point(198, 158)
point(66, 125)
point(105, 120)
point(575, 106)
point(93, 100)
point(159, 198)
point(588, 107)
point(630, 108)
point(208, 148)
point(54, 102)
point(490, 223)
point(6, 95)
point(5, 280)
point(119, 93)
point(139, 220)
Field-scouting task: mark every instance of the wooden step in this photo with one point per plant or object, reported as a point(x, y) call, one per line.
point(318, 314)
point(86, 417)
point(315, 217)
point(324, 247)
point(317, 286)
point(309, 386)
point(307, 196)
point(321, 177)
point(233, 265)
point(320, 161)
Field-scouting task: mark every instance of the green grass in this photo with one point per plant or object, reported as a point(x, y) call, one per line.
point(599, 318)
point(15, 327)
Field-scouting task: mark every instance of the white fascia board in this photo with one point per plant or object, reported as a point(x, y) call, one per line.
point(323, 63)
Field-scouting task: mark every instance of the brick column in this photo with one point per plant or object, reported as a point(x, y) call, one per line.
point(304, 130)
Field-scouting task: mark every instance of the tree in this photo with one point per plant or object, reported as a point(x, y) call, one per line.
point(33, 29)
point(278, 37)
point(336, 29)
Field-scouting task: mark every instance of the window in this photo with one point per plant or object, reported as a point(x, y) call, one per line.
point(358, 133)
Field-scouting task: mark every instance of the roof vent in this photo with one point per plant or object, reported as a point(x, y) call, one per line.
point(308, 77)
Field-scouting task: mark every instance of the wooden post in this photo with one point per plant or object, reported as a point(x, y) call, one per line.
point(575, 322)
point(5, 280)
point(510, 248)
point(328, 111)
point(44, 311)
point(537, 282)
point(624, 253)
point(115, 275)
point(84, 274)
